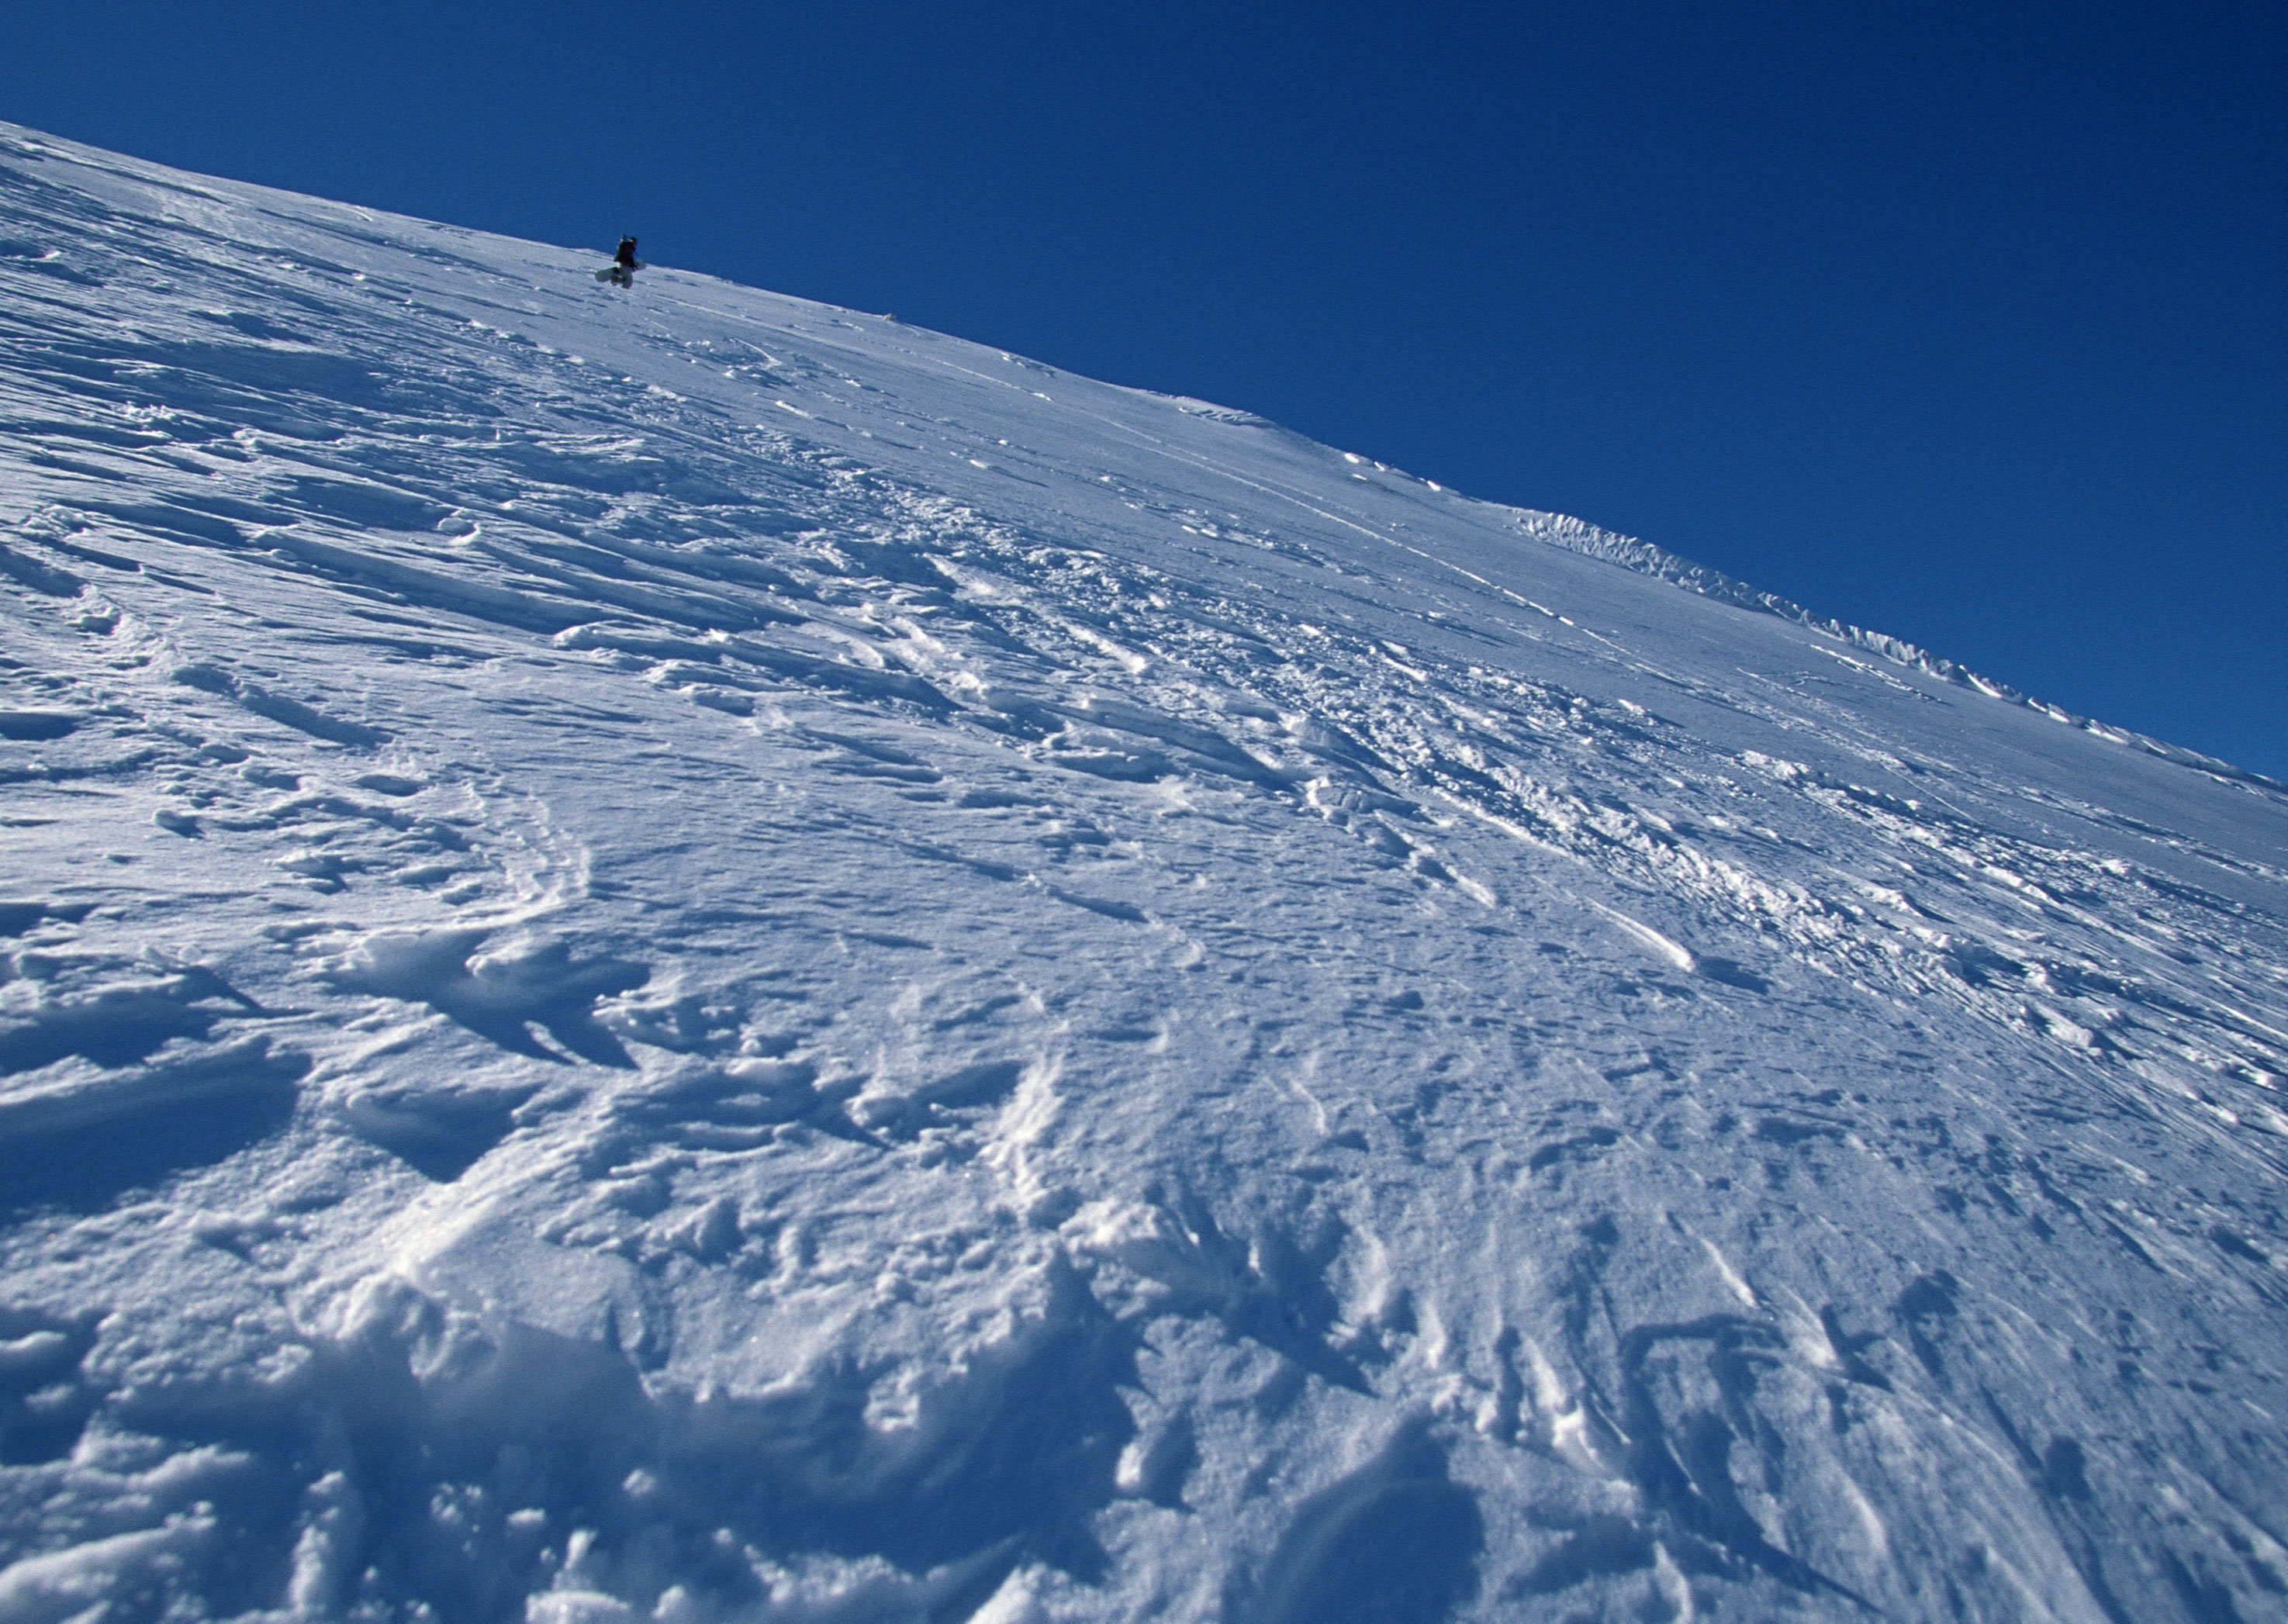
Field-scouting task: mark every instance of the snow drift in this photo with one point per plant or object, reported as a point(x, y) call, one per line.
point(673, 954)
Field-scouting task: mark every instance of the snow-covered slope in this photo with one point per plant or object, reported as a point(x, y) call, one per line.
point(677, 953)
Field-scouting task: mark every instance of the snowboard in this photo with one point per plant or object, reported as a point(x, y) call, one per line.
point(624, 275)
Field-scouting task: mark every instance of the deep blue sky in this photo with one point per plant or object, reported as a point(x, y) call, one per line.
point(1968, 323)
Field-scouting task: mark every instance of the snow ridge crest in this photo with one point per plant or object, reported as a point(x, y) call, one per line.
point(1631, 552)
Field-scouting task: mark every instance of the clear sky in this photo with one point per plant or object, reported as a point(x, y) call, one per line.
point(1966, 322)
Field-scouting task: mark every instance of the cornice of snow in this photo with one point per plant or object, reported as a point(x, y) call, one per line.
point(1578, 535)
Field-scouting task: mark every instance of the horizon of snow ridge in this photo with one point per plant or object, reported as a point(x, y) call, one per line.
point(673, 954)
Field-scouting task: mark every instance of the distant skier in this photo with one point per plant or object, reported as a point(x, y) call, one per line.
point(622, 272)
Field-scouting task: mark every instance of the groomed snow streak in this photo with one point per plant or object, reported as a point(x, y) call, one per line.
point(672, 953)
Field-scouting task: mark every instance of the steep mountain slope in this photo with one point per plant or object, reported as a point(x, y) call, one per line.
point(675, 952)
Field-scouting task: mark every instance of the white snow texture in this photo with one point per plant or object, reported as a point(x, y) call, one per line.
point(672, 953)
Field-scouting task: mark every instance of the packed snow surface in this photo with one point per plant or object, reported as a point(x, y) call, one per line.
point(673, 954)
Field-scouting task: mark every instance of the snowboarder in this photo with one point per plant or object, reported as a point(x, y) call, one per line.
point(622, 272)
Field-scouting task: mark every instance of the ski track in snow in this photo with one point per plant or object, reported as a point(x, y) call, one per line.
point(675, 952)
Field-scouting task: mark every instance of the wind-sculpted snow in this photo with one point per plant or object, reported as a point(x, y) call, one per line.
point(1627, 551)
point(673, 954)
